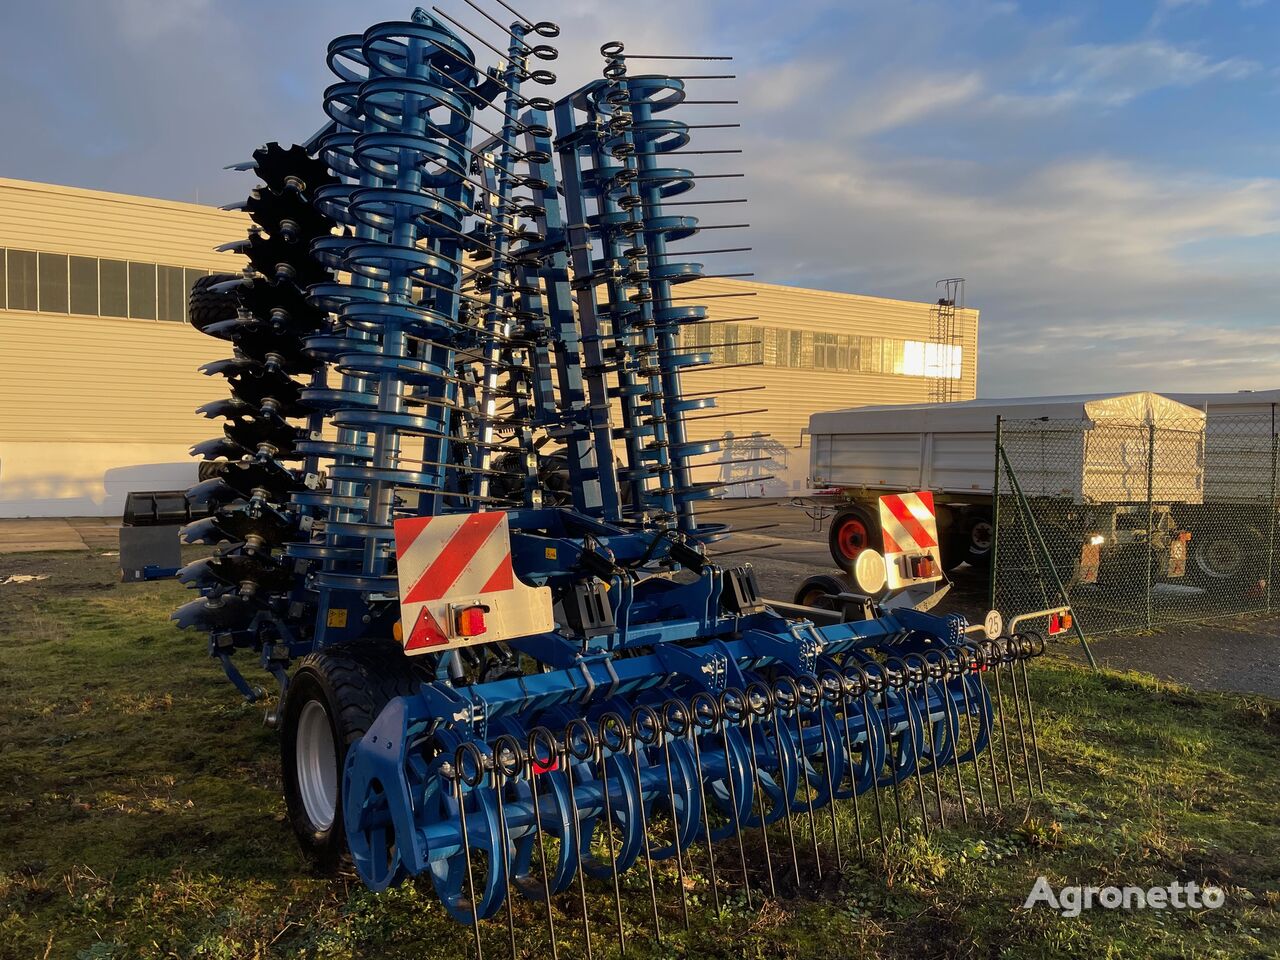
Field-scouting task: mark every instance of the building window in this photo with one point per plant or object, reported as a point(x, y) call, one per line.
point(20, 272)
point(113, 284)
point(84, 285)
point(172, 294)
point(142, 291)
point(53, 283)
point(3, 285)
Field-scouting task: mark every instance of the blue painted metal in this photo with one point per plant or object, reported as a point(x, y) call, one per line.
point(473, 303)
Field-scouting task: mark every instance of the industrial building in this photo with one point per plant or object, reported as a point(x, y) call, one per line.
point(99, 379)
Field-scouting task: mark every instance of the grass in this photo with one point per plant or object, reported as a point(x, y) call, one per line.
point(140, 816)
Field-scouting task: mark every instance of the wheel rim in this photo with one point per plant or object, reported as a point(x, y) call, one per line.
point(980, 536)
point(317, 765)
point(851, 537)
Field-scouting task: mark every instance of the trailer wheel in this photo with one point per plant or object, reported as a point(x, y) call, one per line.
point(979, 536)
point(813, 589)
point(333, 697)
point(852, 530)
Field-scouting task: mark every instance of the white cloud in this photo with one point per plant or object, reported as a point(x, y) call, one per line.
point(905, 102)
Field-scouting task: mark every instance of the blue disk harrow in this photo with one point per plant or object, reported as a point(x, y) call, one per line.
point(460, 340)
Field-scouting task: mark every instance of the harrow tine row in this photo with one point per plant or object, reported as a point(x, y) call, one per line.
point(737, 766)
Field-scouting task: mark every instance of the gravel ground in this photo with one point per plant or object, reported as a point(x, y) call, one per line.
point(1239, 655)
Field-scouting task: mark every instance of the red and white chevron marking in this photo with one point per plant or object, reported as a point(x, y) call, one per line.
point(446, 564)
point(908, 522)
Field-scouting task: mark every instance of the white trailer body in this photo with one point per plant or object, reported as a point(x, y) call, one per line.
point(1091, 449)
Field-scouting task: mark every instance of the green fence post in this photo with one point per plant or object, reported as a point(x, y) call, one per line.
point(1151, 557)
point(1044, 552)
point(995, 522)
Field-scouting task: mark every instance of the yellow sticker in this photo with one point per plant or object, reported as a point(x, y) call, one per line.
point(551, 553)
point(337, 618)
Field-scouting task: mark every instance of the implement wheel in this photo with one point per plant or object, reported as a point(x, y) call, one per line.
point(852, 530)
point(206, 305)
point(333, 697)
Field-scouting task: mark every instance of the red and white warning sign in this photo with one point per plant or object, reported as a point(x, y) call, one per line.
point(911, 553)
point(457, 587)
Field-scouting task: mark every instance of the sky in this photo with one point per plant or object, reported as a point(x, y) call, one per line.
point(1104, 173)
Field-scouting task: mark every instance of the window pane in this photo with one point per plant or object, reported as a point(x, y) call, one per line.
point(142, 290)
point(53, 283)
point(114, 283)
point(173, 293)
point(84, 285)
point(2, 283)
point(21, 274)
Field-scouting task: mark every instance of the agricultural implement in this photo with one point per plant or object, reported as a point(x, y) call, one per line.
point(458, 519)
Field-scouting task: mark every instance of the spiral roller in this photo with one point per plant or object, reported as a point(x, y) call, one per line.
point(458, 476)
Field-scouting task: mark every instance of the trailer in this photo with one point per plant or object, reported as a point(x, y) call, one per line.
point(861, 453)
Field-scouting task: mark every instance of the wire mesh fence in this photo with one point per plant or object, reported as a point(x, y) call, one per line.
point(1136, 523)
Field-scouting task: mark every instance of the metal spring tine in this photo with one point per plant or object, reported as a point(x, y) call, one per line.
point(608, 822)
point(542, 735)
point(1013, 653)
point(761, 697)
point(906, 678)
point(932, 742)
point(567, 758)
point(458, 775)
point(984, 667)
point(997, 656)
point(697, 711)
point(829, 694)
point(845, 689)
point(507, 763)
point(675, 826)
point(865, 684)
point(944, 667)
point(965, 670)
point(805, 691)
point(893, 761)
point(638, 739)
point(1035, 648)
point(791, 831)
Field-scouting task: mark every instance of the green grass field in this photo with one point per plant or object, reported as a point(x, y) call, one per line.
point(140, 817)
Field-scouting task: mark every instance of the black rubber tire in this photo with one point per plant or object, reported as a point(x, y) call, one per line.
point(978, 558)
point(353, 681)
point(811, 591)
point(840, 540)
point(206, 306)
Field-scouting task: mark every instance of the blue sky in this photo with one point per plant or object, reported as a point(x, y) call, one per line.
point(1105, 174)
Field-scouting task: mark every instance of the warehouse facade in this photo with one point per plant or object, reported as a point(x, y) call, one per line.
point(99, 380)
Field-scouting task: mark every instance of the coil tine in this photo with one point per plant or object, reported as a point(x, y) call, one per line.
point(782, 778)
point(706, 815)
point(800, 687)
point(608, 824)
point(928, 733)
point(749, 716)
point(893, 760)
point(1015, 656)
point(953, 733)
point(675, 825)
point(635, 743)
point(466, 848)
point(997, 656)
point(989, 721)
point(1026, 683)
point(907, 681)
point(853, 777)
point(966, 668)
point(827, 696)
point(568, 759)
point(544, 735)
point(501, 748)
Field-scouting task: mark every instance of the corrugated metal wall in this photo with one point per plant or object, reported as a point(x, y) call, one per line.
point(84, 399)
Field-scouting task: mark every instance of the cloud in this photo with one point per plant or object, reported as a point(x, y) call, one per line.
point(907, 101)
